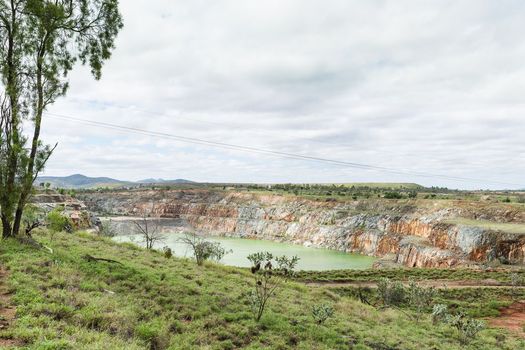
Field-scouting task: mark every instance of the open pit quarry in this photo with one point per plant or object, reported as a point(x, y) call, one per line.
point(413, 233)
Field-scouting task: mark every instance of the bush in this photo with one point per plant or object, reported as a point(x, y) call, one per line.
point(322, 312)
point(393, 195)
point(57, 221)
point(467, 327)
point(168, 253)
point(516, 281)
point(204, 250)
point(420, 297)
point(391, 293)
point(439, 313)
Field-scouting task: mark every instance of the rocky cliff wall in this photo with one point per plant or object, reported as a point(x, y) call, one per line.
point(413, 232)
point(72, 208)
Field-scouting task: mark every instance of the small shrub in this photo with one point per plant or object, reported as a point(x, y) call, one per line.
point(322, 312)
point(57, 221)
point(391, 293)
point(268, 279)
point(516, 281)
point(439, 313)
point(168, 253)
point(419, 297)
point(393, 195)
point(202, 249)
point(467, 327)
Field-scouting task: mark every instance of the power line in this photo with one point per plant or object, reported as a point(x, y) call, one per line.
point(266, 151)
point(257, 132)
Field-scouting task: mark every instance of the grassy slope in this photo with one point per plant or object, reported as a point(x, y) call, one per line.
point(63, 303)
point(475, 302)
point(490, 225)
point(404, 274)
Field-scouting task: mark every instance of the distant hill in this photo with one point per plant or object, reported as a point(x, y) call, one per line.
point(163, 181)
point(79, 181)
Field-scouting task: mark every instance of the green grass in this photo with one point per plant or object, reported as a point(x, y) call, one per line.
point(475, 302)
point(150, 302)
point(386, 185)
point(404, 274)
point(496, 226)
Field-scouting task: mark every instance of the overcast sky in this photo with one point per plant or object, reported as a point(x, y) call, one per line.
point(435, 87)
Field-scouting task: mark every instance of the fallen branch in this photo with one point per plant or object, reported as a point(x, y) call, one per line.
point(28, 240)
point(90, 258)
point(33, 225)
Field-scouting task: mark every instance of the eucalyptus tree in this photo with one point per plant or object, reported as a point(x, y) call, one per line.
point(41, 41)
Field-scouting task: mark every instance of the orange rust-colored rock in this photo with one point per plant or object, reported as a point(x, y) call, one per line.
point(389, 244)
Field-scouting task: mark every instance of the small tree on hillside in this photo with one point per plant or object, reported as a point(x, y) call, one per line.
point(148, 229)
point(268, 278)
point(202, 249)
point(391, 293)
point(420, 297)
point(439, 313)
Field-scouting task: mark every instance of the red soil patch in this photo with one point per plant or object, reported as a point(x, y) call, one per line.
point(7, 312)
point(511, 318)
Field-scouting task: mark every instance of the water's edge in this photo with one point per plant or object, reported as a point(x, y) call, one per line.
point(310, 258)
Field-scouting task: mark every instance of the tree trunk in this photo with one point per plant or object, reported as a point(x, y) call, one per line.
point(30, 171)
point(6, 227)
point(8, 203)
point(18, 221)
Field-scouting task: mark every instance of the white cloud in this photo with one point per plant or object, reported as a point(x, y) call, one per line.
point(434, 87)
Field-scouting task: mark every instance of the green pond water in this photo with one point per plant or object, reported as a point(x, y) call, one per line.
point(310, 258)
